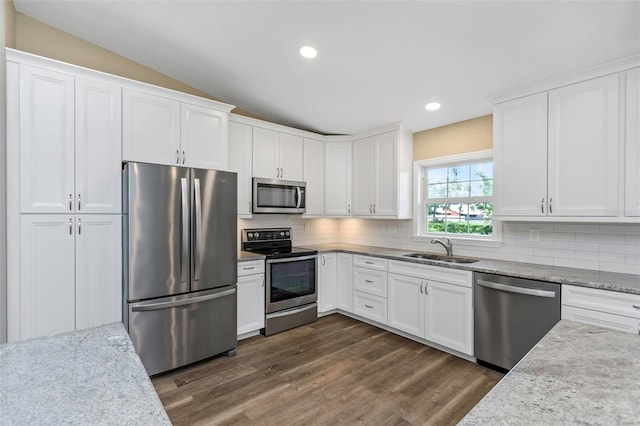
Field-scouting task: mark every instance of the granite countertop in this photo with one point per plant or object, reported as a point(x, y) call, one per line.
point(577, 374)
point(626, 283)
point(247, 255)
point(90, 376)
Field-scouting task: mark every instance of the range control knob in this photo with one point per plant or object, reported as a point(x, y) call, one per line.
point(281, 233)
point(256, 234)
point(250, 235)
point(287, 233)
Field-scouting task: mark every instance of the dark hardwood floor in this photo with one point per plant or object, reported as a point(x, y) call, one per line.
point(335, 371)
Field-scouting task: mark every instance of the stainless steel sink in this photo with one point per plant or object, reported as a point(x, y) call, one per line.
point(441, 258)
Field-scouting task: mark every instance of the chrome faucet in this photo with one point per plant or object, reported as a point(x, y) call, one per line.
point(448, 245)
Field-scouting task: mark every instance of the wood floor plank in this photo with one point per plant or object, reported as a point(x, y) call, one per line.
point(335, 371)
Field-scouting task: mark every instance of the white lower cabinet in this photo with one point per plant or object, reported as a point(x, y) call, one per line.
point(369, 306)
point(250, 296)
point(344, 277)
point(438, 311)
point(327, 283)
point(70, 273)
point(608, 309)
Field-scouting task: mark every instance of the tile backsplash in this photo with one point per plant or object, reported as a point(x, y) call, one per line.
point(604, 247)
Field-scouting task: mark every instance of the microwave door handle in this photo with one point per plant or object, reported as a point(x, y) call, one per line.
point(198, 230)
point(299, 197)
point(184, 240)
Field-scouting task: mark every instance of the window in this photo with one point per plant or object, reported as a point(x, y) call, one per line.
point(456, 196)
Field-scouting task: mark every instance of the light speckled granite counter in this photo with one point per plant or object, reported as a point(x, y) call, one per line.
point(84, 377)
point(247, 255)
point(626, 283)
point(577, 374)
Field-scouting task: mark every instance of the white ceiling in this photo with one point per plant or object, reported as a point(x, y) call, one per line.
point(378, 62)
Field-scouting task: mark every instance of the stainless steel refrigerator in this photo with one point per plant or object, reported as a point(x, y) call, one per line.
point(180, 252)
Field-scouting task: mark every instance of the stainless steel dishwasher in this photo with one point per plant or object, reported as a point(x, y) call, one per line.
point(510, 316)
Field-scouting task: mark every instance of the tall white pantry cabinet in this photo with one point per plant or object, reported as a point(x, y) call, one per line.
point(64, 147)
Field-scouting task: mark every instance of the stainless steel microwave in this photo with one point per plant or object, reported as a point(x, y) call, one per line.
point(278, 196)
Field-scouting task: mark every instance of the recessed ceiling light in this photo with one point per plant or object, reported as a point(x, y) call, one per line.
point(432, 106)
point(308, 52)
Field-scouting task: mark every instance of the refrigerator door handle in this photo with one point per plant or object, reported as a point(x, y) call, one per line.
point(184, 243)
point(197, 233)
point(181, 302)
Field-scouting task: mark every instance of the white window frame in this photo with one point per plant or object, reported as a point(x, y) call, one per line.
point(419, 220)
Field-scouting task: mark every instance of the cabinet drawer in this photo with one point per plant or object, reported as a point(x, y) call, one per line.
point(601, 319)
point(250, 267)
point(370, 262)
point(370, 306)
point(436, 273)
point(611, 302)
point(370, 281)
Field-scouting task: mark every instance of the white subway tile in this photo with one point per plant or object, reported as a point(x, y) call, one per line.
point(499, 256)
point(557, 236)
point(620, 248)
point(633, 239)
point(535, 244)
point(517, 250)
point(565, 254)
point(572, 245)
point(539, 260)
point(601, 257)
point(585, 228)
point(526, 226)
point(632, 260)
point(601, 238)
point(620, 229)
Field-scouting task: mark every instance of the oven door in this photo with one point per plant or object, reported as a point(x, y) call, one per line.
point(291, 282)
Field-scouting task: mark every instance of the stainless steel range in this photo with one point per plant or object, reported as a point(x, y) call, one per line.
point(291, 278)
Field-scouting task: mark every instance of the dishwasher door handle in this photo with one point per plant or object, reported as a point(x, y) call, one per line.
point(518, 290)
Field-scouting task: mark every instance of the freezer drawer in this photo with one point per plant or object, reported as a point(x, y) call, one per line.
point(172, 332)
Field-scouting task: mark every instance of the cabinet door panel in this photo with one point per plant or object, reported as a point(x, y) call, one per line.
point(363, 177)
point(47, 275)
point(327, 290)
point(250, 303)
point(46, 141)
point(314, 175)
point(98, 147)
point(344, 276)
point(291, 157)
point(583, 148)
point(240, 152)
point(204, 137)
point(98, 270)
point(338, 178)
point(386, 174)
point(406, 304)
point(632, 150)
point(449, 316)
point(520, 157)
point(370, 306)
point(601, 319)
point(266, 155)
point(150, 128)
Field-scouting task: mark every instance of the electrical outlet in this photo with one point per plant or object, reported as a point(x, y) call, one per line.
point(534, 235)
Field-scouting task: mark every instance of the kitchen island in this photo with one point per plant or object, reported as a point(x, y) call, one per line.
point(577, 374)
point(90, 376)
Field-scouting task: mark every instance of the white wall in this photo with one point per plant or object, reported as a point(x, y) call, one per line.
point(614, 248)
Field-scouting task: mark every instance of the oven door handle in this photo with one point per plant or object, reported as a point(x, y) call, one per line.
point(292, 259)
point(293, 311)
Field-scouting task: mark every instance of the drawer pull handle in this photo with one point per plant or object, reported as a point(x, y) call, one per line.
point(368, 263)
point(636, 306)
point(248, 268)
point(368, 306)
point(368, 281)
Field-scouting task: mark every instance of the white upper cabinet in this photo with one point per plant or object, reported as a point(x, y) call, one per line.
point(204, 137)
point(632, 150)
point(520, 156)
point(583, 148)
point(314, 172)
point(382, 175)
point(277, 155)
point(150, 128)
point(337, 178)
point(46, 141)
point(557, 153)
point(240, 155)
point(70, 144)
point(98, 158)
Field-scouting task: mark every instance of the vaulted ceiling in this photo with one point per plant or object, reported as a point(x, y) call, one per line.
point(378, 61)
